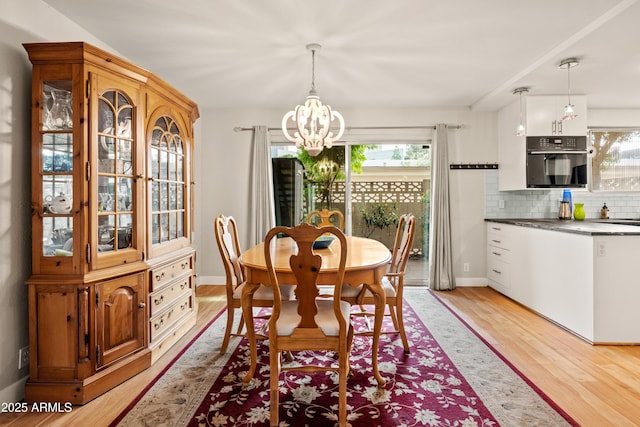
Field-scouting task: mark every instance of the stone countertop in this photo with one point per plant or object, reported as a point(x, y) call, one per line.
point(591, 227)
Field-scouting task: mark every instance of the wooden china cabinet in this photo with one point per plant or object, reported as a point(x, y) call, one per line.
point(112, 285)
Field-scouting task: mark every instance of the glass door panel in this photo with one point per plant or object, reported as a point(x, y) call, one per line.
point(167, 164)
point(386, 180)
point(57, 168)
point(116, 198)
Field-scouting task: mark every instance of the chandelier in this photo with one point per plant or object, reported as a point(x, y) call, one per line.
point(569, 109)
point(313, 119)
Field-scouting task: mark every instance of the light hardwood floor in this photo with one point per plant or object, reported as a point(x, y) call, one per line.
point(597, 386)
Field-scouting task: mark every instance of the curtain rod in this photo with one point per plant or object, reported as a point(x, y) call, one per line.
point(241, 129)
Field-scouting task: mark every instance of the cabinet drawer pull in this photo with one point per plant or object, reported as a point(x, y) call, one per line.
point(184, 264)
point(160, 276)
point(142, 305)
point(496, 241)
point(183, 285)
point(496, 253)
point(159, 324)
point(496, 228)
point(496, 271)
point(159, 301)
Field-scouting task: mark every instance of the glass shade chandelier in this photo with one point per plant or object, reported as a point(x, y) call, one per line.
point(569, 109)
point(520, 130)
point(313, 119)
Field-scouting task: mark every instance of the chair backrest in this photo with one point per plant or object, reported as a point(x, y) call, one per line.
point(326, 217)
point(226, 231)
point(403, 243)
point(306, 266)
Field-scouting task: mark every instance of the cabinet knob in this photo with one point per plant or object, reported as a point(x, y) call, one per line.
point(142, 305)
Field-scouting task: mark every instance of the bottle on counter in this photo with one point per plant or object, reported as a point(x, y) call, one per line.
point(604, 212)
point(566, 197)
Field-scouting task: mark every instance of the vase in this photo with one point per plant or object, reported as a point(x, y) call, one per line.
point(578, 212)
point(61, 116)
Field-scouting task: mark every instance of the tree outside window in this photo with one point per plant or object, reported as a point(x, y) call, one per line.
point(615, 160)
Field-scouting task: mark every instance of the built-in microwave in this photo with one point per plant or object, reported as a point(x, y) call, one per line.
point(556, 161)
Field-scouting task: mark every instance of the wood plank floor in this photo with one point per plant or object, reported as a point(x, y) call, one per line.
point(596, 385)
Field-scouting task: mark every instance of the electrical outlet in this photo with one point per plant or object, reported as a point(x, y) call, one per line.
point(23, 357)
point(466, 267)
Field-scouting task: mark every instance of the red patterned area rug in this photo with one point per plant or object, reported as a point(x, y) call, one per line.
point(452, 377)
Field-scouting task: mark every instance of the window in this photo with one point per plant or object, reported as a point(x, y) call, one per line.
point(615, 159)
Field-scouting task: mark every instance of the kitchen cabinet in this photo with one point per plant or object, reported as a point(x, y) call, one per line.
point(512, 150)
point(544, 116)
point(584, 283)
point(499, 248)
point(111, 204)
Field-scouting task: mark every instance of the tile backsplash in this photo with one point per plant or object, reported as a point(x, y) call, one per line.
point(546, 203)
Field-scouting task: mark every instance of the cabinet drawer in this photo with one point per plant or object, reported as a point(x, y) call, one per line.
point(168, 295)
point(161, 276)
point(499, 271)
point(496, 255)
point(498, 236)
point(167, 319)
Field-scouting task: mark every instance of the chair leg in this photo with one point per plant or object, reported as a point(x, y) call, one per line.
point(342, 390)
point(400, 326)
point(274, 376)
point(240, 326)
point(394, 319)
point(227, 330)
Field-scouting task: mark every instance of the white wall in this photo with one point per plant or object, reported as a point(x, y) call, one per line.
point(222, 181)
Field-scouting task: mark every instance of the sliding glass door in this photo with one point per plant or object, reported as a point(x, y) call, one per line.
point(372, 185)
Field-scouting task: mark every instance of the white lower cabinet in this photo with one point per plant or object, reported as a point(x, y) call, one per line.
point(586, 284)
point(499, 257)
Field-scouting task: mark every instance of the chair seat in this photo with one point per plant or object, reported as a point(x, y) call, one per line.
point(326, 320)
point(266, 293)
point(352, 292)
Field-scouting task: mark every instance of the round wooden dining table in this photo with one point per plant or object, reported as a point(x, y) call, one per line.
point(367, 261)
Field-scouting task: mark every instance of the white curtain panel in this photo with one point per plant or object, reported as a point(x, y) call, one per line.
point(440, 258)
point(262, 216)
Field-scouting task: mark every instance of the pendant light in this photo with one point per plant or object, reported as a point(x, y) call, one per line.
point(313, 120)
point(520, 131)
point(569, 109)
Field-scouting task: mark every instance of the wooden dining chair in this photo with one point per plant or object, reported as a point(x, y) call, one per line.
point(308, 322)
point(392, 282)
point(326, 217)
point(226, 232)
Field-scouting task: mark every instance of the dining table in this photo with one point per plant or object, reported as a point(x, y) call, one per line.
point(367, 262)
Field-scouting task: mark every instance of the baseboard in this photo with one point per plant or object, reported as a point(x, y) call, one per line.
point(210, 280)
point(14, 392)
point(472, 281)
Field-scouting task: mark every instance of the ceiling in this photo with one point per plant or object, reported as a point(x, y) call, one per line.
point(375, 53)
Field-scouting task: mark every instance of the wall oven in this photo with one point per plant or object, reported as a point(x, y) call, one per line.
point(556, 161)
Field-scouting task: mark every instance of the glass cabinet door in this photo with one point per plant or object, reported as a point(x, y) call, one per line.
point(116, 198)
point(57, 168)
point(168, 182)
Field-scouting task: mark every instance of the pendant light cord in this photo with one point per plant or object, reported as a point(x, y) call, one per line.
point(569, 82)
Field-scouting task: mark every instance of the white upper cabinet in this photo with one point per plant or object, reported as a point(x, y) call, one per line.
point(511, 150)
point(544, 116)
